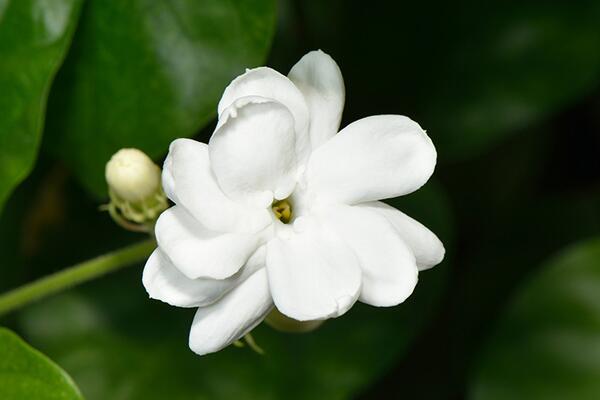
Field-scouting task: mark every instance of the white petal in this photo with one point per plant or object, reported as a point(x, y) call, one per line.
point(424, 244)
point(389, 270)
point(268, 83)
point(320, 80)
point(373, 158)
point(238, 312)
point(198, 252)
point(164, 282)
point(189, 181)
point(312, 274)
point(252, 151)
point(168, 181)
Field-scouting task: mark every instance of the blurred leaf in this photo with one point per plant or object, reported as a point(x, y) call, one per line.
point(471, 72)
point(34, 37)
point(127, 347)
point(506, 71)
point(25, 373)
point(142, 73)
point(547, 345)
point(119, 345)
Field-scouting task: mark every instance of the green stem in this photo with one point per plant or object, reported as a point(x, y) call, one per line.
point(74, 275)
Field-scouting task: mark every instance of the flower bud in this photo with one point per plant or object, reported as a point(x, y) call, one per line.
point(134, 187)
point(132, 175)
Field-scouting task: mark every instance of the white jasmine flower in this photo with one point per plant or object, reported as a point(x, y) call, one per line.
point(279, 210)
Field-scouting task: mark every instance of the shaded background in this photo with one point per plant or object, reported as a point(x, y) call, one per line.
point(509, 94)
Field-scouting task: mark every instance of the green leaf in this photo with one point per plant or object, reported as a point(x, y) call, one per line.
point(547, 345)
point(34, 37)
point(25, 373)
point(142, 73)
point(120, 345)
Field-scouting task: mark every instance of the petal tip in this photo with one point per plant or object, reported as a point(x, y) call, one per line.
point(202, 346)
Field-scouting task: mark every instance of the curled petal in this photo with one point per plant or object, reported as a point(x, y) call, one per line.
point(268, 83)
point(320, 80)
point(313, 274)
point(371, 159)
point(189, 181)
point(424, 244)
point(227, 320)
point(198, 252)
point(252, 151)
point(389, 270)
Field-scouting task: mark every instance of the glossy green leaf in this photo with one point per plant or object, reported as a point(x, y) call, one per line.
point(142, 73)
point(34, 37)
point(25, 373)
point(119, 345)
point(547, 345)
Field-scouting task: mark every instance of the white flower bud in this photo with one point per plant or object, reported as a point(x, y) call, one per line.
point(132, 175)
point(135, 190)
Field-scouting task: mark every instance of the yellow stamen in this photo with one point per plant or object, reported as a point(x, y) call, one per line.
point(282, 210)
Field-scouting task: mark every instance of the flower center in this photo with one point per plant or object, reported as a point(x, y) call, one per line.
point(282, 210)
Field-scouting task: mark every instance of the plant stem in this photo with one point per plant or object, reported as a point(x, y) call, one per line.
point(74, 275)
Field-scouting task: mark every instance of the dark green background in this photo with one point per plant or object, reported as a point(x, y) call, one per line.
point(509, 93)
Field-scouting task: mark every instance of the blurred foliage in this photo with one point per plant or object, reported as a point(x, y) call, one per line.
point(470, 72)
point(34, 37)
point(507, 91)
point(27, 374)
point(142, 73)
point(547, 344)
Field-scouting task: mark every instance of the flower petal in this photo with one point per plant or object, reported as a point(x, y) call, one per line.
point(198, 252)
point(166, 283)
point(268, 83)
point(389, 270)
point(424, 244)
point(373, 158)
point(238, 312)
point(189, 181)
point(320, 80)
point(312, 274)
point(252, 151)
